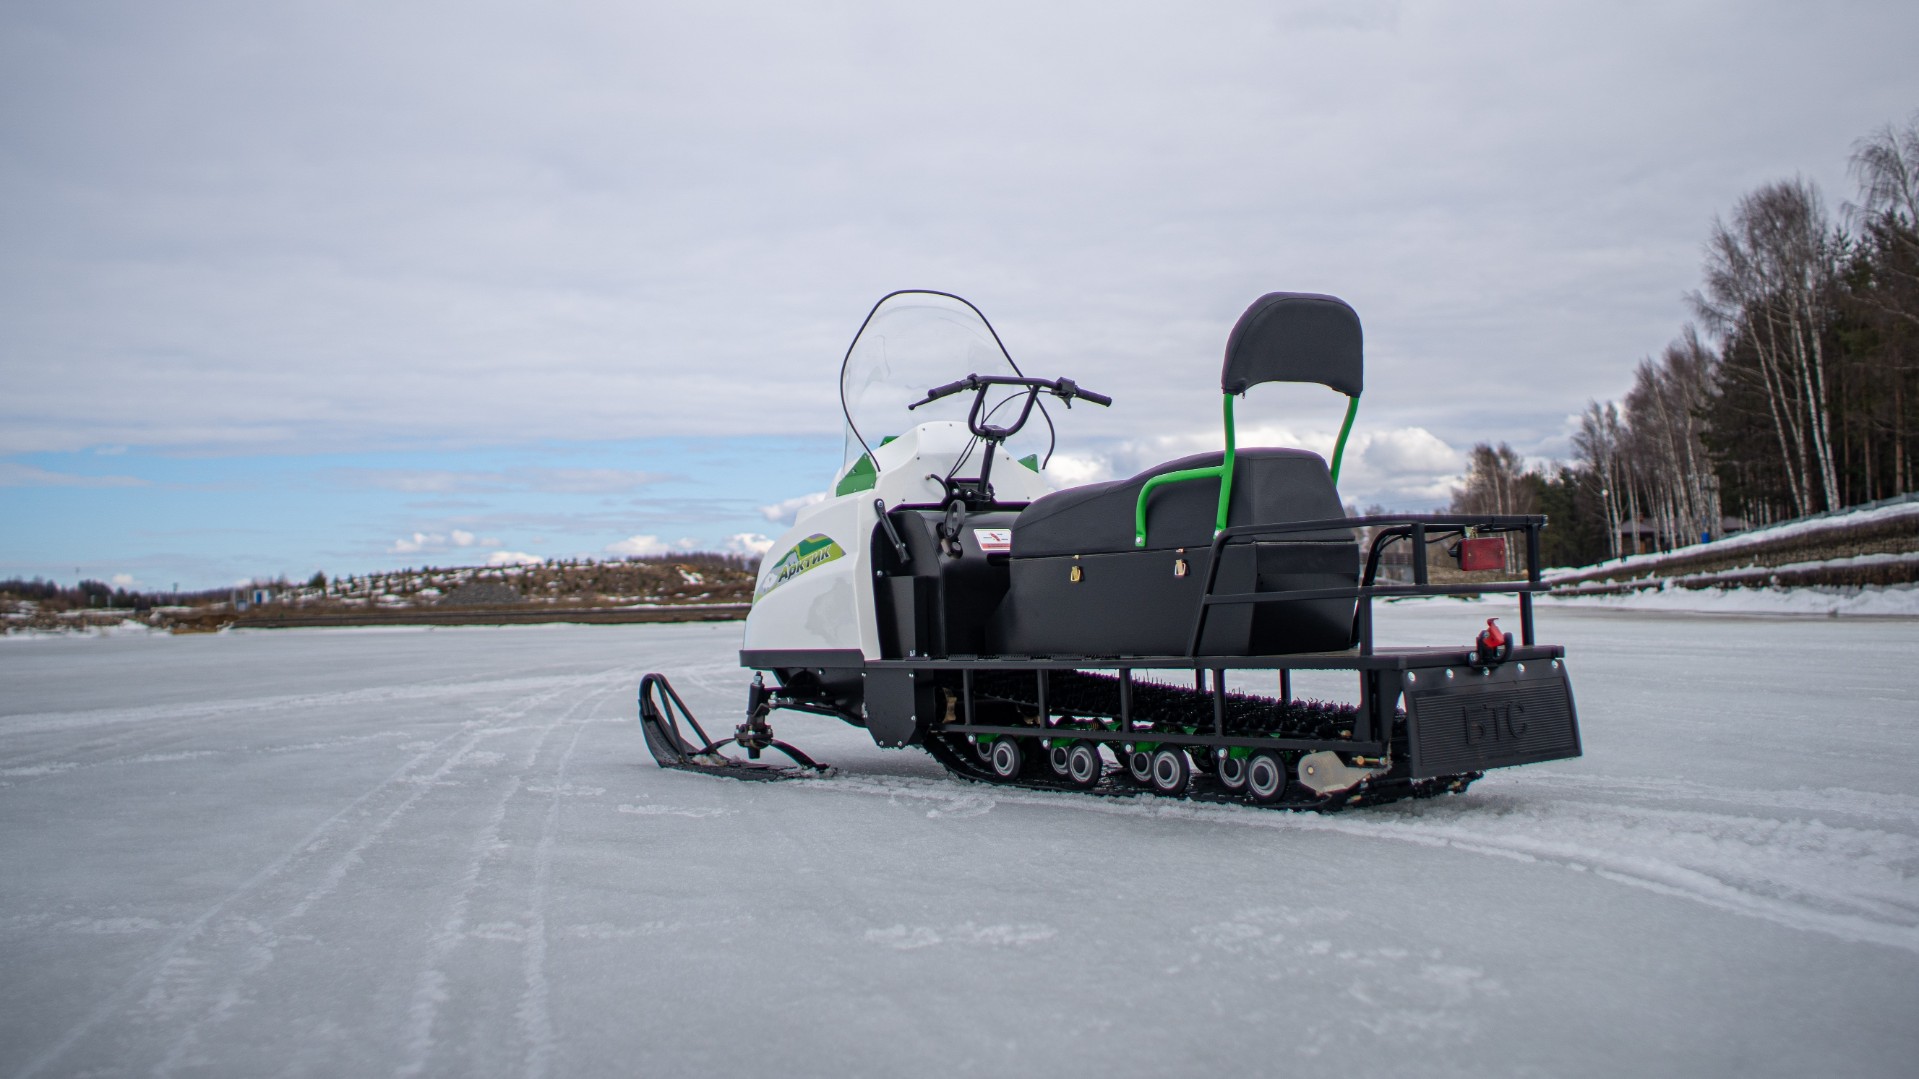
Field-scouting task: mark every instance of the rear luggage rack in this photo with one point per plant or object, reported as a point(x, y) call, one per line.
point(1419, 529)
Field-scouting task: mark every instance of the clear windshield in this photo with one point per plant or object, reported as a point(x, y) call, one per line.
point(912, 342)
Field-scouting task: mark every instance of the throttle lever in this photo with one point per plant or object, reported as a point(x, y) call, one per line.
point(892, 534)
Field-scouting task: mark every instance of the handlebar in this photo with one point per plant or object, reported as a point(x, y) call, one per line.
point(1063, 388)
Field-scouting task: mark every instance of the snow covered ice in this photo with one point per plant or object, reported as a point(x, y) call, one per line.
point(447, 852)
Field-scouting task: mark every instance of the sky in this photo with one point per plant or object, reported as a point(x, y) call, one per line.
point(343, 287)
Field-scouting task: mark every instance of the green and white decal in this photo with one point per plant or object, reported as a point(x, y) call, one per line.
point(813, 552)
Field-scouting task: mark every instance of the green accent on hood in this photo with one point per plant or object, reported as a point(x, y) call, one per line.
point(861, 477)
point(1031, 461)
point(811, 553)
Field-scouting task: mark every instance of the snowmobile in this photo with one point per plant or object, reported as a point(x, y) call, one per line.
point(1137, 635)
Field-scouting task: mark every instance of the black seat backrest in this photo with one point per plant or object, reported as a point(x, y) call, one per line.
point(1269, 486)
point(1295, 337)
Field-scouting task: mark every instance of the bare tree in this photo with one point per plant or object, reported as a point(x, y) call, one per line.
point(1497, 482)
point(1667, 455)
point(1598, 448)
point(1769, 279)
point(1886, 166)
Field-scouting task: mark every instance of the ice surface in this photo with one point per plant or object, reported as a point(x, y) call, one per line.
point(446, 852)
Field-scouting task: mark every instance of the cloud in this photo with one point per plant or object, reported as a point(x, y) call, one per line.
point(749, 543)
point(646, 546)
point(14, 474)
point(1509, 216)
point(462, 538)
point(640, 546)
point(420, 541)
point(575, 481)
point(1400, 467)
point(783, 512)
point(513, 558)
point(1075, 469)
point(122, 580)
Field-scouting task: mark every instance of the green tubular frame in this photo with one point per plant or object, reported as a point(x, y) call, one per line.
point(1223, 472)
point(1339, 448)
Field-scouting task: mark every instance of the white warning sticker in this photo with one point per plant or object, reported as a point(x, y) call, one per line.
point(994, 540)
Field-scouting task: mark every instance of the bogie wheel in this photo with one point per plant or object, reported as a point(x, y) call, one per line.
point(1006, 759)
point(1056, 757)
point(1232, 773)
point(1139, 765)
point(1266, 778)
point(1171, 770)
point(1083, 765)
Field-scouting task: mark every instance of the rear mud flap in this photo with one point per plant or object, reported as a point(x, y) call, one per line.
point(1471, 719)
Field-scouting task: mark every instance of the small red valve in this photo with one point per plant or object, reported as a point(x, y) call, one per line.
point(1493, 645)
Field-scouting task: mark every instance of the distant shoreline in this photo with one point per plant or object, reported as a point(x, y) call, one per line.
point(494, 616)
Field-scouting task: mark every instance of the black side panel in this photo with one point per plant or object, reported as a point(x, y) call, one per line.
point(1474, 721)
point(1138, 604)
point(935, 605)
point(899, 704)
point(1321, 625)
point(1135, 604)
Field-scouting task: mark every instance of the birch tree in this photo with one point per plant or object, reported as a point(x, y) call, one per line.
point(1769, 275)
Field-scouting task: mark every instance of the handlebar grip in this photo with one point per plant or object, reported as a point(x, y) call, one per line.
point(1067, 389)
point(938, 392)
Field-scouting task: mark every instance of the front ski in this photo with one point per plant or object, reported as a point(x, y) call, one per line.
point(661, 713)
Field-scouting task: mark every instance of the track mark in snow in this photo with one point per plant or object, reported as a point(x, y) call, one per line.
point(266, 939)
point(698, 812)
point(430, 991)
point(1860, 885)
point(912, 938)
point(170, 971)
point(961, 808)
point(35, 722)
point(1900, 808)
point(535, 1012)
point(655, 928)
point(1406, 999)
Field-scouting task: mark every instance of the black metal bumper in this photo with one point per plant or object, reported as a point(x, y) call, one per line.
point(1471, 719)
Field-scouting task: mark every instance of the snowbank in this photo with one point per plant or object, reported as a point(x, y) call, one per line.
point(125, 628)
point(1894, 601)
point(1836, 524)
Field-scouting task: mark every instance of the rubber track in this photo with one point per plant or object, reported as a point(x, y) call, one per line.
point(1164, 706)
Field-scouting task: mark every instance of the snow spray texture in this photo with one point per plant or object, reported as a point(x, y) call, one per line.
point(812, 552)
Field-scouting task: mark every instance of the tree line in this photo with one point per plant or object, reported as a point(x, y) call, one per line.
point(1795, 389)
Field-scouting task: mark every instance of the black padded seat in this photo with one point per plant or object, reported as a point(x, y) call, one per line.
point(1078, 586)
point(1270, 486)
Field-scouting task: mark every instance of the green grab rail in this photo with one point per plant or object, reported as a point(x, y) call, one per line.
point(1223, 472)
point(1339, 448)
